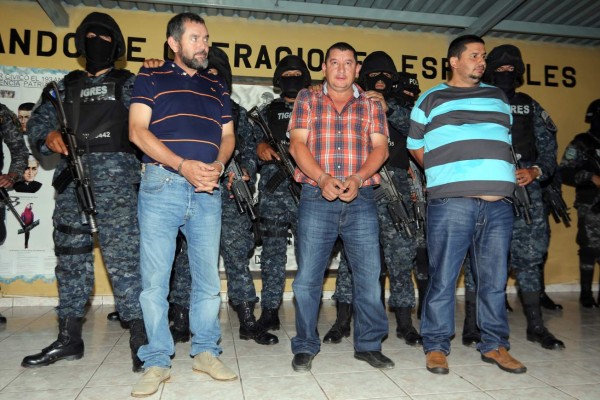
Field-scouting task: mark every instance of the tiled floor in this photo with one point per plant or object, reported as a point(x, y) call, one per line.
point(265, 371)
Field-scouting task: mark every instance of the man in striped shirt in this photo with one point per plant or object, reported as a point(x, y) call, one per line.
point(460, 134)
point(180, 117)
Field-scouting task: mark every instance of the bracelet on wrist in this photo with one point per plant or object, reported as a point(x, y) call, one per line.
point(181, 165)
point(222, 167)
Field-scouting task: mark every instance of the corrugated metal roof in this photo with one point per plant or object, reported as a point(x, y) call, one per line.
point(557, 21)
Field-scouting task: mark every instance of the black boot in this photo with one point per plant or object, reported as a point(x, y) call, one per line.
point(269, 319)
point(249, 328)
point(586, 298)
point(405, 329)
point(536, 331)
point(2, 319)
point(180, 329)
point(341, 327)
point(471, 335)
point(114, 316)
point(137, 338)
point(68, 346)
point(548, 303)
point(421, 288)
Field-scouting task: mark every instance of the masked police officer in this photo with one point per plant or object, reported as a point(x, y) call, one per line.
point(277, 206)
point(534, 141)
point(580, 167)
point(96, 103)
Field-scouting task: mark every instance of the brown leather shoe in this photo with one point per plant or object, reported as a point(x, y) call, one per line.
point(504, 361)
point(437, 363)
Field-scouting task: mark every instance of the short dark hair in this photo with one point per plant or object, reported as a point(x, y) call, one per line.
point(341, 46)
point(175, 26)
point(26, 106)
point(458, 45)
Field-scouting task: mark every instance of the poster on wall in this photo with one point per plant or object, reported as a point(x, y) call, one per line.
point(30, 256)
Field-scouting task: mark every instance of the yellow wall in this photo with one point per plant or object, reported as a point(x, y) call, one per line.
point(146, 31)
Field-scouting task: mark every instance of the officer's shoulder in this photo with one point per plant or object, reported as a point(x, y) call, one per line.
point(583, 138)
point(525, 96)
point(74, 76)
point(121, 73)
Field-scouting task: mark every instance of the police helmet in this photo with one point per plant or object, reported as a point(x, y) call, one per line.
point(593, 110)
point(378, 61)
point(408, 82)
point(506, 54)
point(219, 60)
point(103, 21)
point(289, 63)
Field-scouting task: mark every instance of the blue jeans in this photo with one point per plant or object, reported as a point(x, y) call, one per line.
point(320, 222)
point(168, 203)
point(455, 226)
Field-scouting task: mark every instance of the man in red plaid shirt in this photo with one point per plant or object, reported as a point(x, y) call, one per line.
point(339, 139)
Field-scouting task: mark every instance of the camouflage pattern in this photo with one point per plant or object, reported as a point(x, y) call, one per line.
point(279, 216)
point(115, 177)
point(577, 169)
point(399, 251)
point(10, 134)
point(237, 240)
point(530, 242)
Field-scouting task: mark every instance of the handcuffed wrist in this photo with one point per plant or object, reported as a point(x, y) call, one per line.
point(222, 167)
point(359, 178)
point(181, 165)
point(321, 177)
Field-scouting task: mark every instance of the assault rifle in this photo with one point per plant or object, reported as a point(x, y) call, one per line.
point(285, 163)
point(558, 208)
point(396, 206)
point(75, 171)
point(595, 159)
point(5, 200)
point(417, 186)
point(521, 196)
point(244, 200)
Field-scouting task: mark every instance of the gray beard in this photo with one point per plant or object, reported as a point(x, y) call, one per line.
point(194, 63)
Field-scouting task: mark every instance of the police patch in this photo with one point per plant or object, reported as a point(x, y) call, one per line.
point(549, 123)
point(570, 153)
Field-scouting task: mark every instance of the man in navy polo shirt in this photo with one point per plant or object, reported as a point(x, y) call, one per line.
point(181, 119)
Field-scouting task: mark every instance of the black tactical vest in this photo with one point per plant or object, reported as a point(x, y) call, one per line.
point(96, 113)
point(523, 137)
point(397, 146)
point(279, 114)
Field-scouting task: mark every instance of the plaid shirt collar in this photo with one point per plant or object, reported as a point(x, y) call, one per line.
point(355, 90)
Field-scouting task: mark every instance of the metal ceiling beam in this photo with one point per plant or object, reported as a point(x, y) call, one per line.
point(55, 11)
point(491, 20)
point(492, 16)
point(535, 28)
point(329, 11)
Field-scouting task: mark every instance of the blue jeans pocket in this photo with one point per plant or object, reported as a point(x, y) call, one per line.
point(153, 181)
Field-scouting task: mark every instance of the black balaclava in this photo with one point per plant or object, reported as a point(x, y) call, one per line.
point(291, 85)
point(99, 53)
point(371, 82)
point(219, 60)
point(595, 125)
point(505, 80)
point(592, 116)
